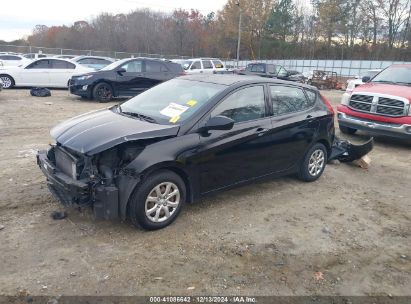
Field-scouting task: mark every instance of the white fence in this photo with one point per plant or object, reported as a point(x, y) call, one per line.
point(342, 67)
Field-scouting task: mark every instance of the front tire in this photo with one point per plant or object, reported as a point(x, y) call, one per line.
point(347, 130)
point(157, 202)
point(103, 92)
point(8, 81)
point(314, 163)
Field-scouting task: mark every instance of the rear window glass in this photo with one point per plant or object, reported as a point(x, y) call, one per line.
point(61, 64)
point(288, 100)
point(218, 64)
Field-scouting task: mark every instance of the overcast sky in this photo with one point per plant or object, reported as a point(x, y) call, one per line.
point(18, 18)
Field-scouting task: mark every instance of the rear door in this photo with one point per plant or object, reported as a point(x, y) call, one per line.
point(61, 72)
point(35, 74)
point(155, 73)
point(132, 81)
point(294, 124)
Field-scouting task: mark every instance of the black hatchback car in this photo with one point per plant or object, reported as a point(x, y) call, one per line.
point(126, 78)
point(186, 138)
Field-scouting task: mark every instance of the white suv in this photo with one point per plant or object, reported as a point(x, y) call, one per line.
point(202, 65)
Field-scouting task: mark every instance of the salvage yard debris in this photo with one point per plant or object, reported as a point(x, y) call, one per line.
point(364, 162)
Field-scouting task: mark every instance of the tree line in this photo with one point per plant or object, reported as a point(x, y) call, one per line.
point(322, 29)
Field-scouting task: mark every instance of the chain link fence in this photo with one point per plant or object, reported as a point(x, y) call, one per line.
point(61, 51)
point(344, 68)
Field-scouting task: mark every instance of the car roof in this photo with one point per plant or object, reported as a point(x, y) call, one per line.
point(90, 56)
point(239, 79)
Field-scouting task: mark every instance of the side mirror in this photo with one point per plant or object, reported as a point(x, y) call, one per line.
point(121, 71)
point(218, 123)
point(366, 79)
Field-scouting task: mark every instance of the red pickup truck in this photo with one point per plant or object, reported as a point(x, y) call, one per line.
point(381, 106)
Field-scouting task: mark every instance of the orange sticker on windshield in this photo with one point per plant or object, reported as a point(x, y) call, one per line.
point(192, 102)
point(174, 119)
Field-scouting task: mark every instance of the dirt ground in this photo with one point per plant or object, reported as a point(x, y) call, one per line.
point(349, 233)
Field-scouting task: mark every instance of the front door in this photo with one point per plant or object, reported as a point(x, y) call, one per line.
point(35, 74)
point(245, 151)
point(132, 81)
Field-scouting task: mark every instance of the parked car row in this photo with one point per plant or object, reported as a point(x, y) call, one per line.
point(95, 62)
point(44, 72)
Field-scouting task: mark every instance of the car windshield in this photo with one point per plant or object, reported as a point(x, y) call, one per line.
point(115, 64)
point(171, 102)
point(370, 73)
point(186, 64)
point(395, 75)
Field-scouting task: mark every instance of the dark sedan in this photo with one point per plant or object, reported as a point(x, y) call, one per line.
point(124, 78)
point(186, 138)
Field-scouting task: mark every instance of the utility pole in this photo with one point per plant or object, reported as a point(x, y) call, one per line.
point(239, 33)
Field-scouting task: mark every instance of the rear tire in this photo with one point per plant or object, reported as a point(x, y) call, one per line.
point(347, 130)
point(103, 92)
point(313, 164)
point(8, 81)
point(157, 202)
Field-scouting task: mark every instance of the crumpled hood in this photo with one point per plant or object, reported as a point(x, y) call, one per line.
point(94, 132)
point(387, 89)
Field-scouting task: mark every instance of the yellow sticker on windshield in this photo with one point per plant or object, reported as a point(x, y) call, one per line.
point(192, 102)
point(174, 119)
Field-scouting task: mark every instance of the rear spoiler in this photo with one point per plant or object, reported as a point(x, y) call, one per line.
point(345, 151)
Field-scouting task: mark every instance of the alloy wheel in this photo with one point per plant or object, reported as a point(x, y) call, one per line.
point(7, 82)
point(316, 162)
point(162, 202)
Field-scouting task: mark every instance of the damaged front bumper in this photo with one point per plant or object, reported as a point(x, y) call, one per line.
point(103, 199)
point(345, 151)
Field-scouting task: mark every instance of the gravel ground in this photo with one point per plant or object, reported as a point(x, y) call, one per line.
point(348, 233)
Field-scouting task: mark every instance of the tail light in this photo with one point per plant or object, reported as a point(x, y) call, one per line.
point(329, 106)
point(183, 73)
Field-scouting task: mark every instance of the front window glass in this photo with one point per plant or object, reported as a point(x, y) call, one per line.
point(243, 105)
point(135, 66)
point(196, 65)
point(40, 64)
point(395, 75)
point(114, 64)
point(173, 101)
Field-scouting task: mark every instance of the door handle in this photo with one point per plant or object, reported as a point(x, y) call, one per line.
point(261, 131)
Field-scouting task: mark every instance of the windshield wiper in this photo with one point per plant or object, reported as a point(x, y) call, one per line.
point(384, 81)
point(392, 82)
point(140, 116)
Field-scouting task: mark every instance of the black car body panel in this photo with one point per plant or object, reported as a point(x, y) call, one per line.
point(126, 83)
point(106, 128)
point(113, 153)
